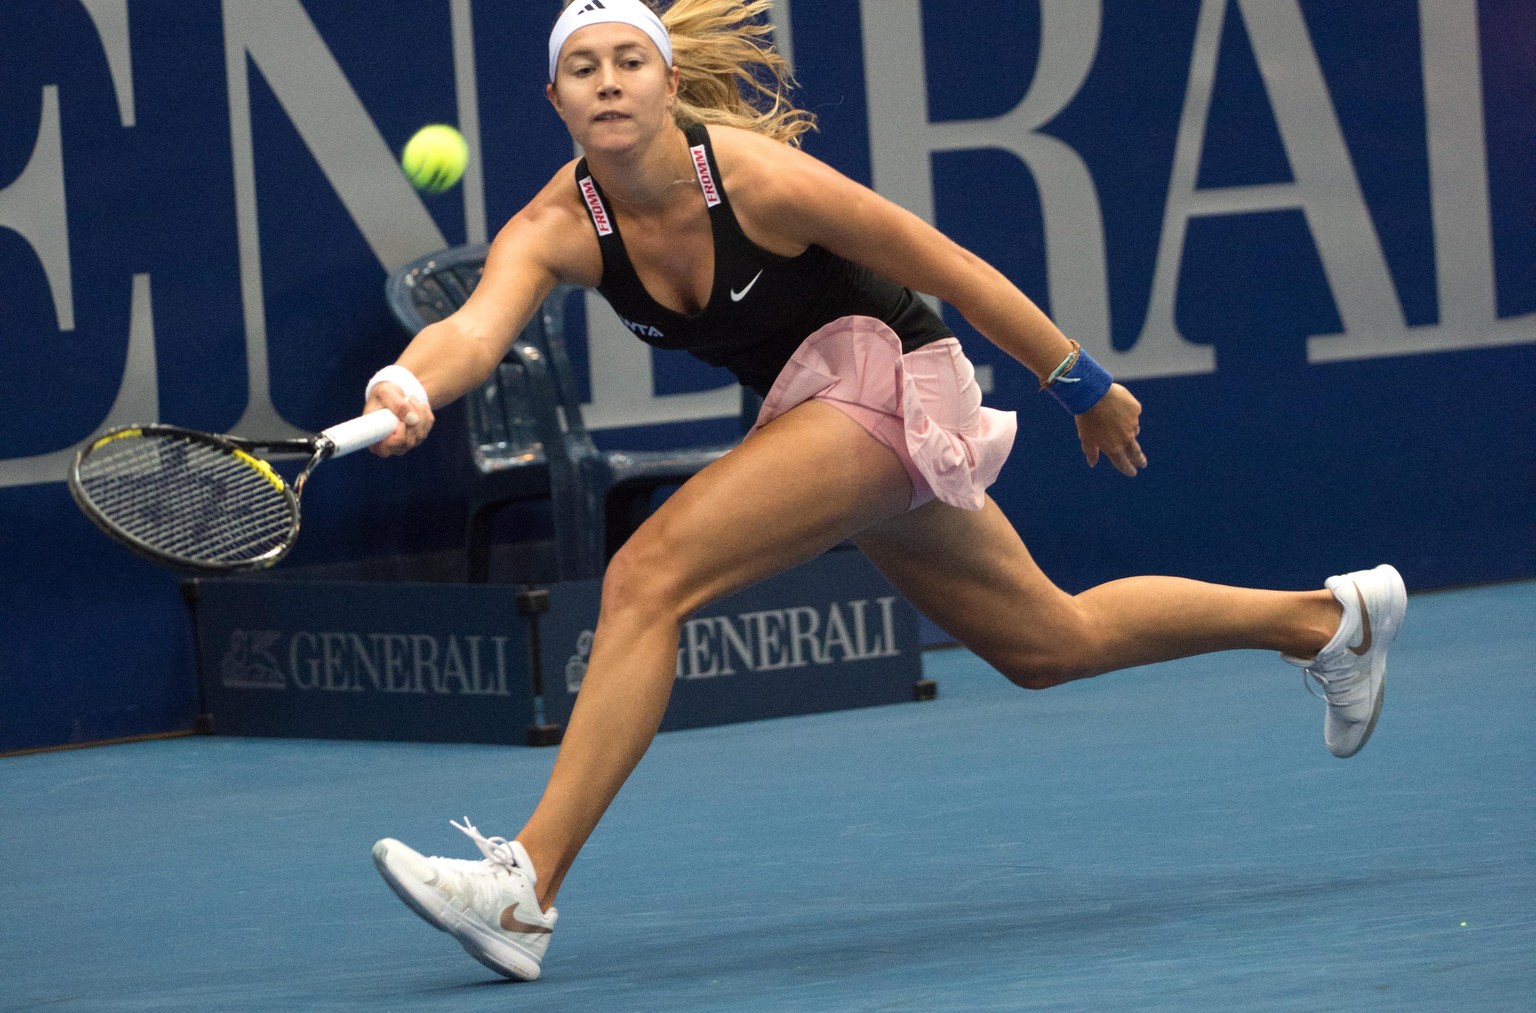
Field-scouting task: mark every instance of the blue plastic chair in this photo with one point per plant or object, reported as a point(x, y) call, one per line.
point(528, 441)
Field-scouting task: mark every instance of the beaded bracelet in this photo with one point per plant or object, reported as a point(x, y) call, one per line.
point(1078, 383)
point(1065, 367)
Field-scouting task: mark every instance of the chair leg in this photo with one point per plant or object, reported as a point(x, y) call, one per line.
point(626, 509)
point(477, 544)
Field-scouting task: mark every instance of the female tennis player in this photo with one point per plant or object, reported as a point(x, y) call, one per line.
point(704, 225)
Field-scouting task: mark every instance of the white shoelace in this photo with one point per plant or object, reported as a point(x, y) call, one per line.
point(477, 884)
point(497, 850)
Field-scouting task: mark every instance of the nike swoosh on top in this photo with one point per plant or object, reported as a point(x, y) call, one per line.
point(1365, 623)
point(512, 923)
point(739, 296)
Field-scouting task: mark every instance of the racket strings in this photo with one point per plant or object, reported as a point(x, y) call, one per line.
point(187, 498)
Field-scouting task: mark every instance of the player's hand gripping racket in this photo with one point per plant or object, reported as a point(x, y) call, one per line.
point(204, 502)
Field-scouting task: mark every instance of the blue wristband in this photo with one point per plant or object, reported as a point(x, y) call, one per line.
point(1081, 387)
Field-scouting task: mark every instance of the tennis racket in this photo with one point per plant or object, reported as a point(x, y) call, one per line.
point(204, 502)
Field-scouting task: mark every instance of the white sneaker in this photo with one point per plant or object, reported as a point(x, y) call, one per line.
point(1352, 668)
point(489, 906)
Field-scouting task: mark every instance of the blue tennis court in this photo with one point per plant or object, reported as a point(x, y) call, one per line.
point(1170, 838)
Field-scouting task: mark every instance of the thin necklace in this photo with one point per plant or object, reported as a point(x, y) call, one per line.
point(654, 194)
point(650, 197)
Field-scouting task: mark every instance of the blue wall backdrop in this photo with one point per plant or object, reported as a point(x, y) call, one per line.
point(1301, 231)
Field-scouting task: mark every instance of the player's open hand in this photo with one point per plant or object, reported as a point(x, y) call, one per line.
point(1110, 428)
point(415, 417)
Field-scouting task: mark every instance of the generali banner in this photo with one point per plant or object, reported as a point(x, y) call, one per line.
point(452, 662)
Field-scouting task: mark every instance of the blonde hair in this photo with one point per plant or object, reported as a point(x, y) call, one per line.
point(729, 73)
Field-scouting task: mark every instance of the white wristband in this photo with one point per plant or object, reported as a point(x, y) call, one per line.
point(402, 378)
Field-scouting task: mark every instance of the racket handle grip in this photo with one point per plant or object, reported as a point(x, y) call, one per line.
point(363, 431)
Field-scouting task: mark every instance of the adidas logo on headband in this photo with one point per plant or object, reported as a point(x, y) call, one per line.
point(629, 12)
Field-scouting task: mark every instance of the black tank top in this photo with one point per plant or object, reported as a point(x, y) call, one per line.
point(762, 305)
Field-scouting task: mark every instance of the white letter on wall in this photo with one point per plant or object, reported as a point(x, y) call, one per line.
point(902, 140)
point(34, 207)
point(282, 42)
point(1325, 188)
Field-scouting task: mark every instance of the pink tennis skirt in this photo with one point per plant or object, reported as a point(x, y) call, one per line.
point(924, 405)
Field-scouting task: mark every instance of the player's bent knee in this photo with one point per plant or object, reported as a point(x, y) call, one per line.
point(1045, 669)
point(629, 583)
point(1068, 648)
point(1033, 677)
point(645, 575)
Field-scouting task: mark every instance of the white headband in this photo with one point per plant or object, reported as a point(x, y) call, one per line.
point(582, 13)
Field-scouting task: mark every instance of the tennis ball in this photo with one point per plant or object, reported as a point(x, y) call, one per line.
point(434, 159)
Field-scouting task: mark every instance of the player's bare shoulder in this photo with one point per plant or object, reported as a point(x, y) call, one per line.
point(770, 184)
point(554, 230)
point(752, 163)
